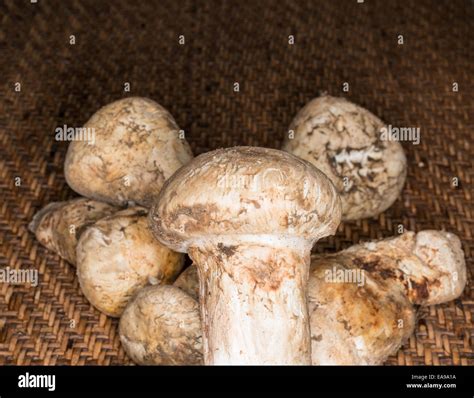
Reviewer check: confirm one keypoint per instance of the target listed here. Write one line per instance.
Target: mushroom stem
(253, 300)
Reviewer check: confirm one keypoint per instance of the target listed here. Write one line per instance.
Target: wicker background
(227, 42)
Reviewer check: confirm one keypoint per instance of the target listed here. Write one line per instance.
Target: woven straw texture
(226, 42)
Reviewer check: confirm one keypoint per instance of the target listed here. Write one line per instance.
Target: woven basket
(116, 42)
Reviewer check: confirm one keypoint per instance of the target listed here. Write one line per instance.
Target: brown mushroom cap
(137, 147)
(344, 141)
(118, 255)
(161, 326)
(245, 191)
(59, 225)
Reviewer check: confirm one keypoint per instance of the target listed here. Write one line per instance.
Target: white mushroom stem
(253, 300)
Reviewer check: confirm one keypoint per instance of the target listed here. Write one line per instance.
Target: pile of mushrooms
(254, 293)
(105, 233)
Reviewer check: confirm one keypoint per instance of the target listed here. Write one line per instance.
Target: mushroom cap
(59, 225)
(429, 266)
(118, 255)
(245, 191)
(443, 254)
(161, 325)
(137, 147)
(345, 142)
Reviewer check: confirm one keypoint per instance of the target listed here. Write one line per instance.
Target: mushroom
(355, 323)
(248, 217)
(363, 301)
(136, 147)
(345, 141)
(117, 256)
(59, 225)
(161, 326)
